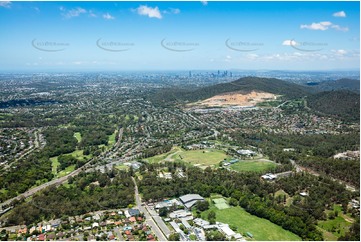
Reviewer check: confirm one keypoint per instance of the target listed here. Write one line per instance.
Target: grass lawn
(77, 135)
(337, 226)
(289, 199)
(78, 154)
(161, 157)
(54, 164)
(252, 165)
(206, 157)
(122, 167)
(261, 229)
(66, 171)
(220, 203)
(334, 228)
(327, 236)
(111, 139)
(202, 158)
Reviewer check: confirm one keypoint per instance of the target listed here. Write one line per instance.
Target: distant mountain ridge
(342, 104)
(341, 84)
(245, 85)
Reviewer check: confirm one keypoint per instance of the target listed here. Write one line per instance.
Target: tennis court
(220, 203)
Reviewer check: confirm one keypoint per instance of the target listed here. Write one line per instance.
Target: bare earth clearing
(237, 99)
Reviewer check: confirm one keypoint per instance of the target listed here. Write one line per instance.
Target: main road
(310, 171)
(57, 181)
(157, 231)
(47, 184)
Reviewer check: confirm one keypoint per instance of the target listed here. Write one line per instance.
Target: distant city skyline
(153, 36)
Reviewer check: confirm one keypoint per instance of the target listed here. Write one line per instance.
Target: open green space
(289, 199)
(161, 157)
(77, 135)
(220, 203)
(78, 154)
(252, 165)
(122, 167)
(66, 171)
(327, 236)
(54, 164)
(260, 228)
(111, 139)
(332, 229)
(337, 226)
(206, 157)
(201, 158)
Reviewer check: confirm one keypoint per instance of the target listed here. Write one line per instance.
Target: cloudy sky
(179, 35)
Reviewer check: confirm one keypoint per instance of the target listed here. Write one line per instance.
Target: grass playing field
(202, 158)
(161, 157)
(261, 229)
(252, 165)
(220, 203)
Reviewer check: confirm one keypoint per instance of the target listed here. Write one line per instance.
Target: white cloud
(107, 16)
(340, 14)
(337, 27)
(92, 14)
(149, 11)
(175, 10)
(75, 12)
(340, 52)
(289, 42)
(317, 26)
(252, 56)
(5, 4)
(172, 11)
(325, 25)
(228, 58)
(204, 3)
(36, 9)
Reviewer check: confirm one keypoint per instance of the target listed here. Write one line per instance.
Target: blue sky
(179, 35)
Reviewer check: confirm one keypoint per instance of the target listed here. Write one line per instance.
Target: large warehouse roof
(190, 199)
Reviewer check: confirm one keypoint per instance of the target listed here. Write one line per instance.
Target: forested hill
(341, 84)
(341, 104)
(245, 84)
